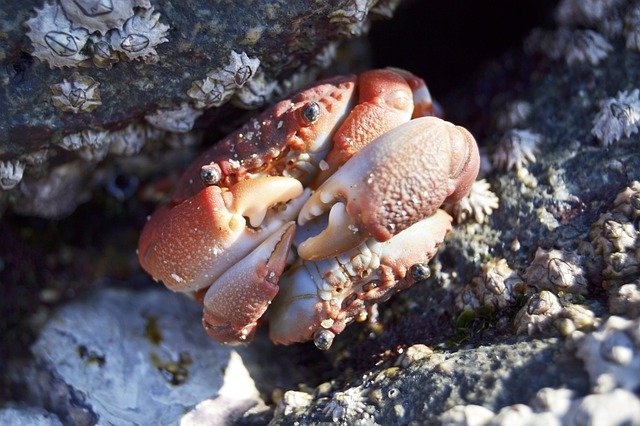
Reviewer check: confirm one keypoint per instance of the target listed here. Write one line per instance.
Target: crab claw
(238, 298)
(398, 179)
(188, 246)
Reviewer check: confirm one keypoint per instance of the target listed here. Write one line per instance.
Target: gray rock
(19, 415)
(125, 357)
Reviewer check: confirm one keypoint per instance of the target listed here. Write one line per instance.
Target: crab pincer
(400, 178)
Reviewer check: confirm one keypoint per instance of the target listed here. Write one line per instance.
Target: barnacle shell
(101, 15)
(478, 204)
(353, 17)
(516, 149)
(575, 317)
(128, 141)
(53, 39)
(586, 46)
(102, 54)
(220, 84)
(179, 120)
(140, 36)
(585, 12)
(538, 314)
(625, 299)
(91, 145)
(617, 116)
(349, 403)
(497, 286)
(80, 94)
(256, 92)
(385, 8)
(632, 28)
(557, 270)
(10, 173)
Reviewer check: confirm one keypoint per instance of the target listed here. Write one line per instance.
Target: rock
(124, 357)
(19, 415)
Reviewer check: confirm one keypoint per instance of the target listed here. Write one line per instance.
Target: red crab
(363, 167)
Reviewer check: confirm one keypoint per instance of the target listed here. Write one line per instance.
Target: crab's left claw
(398, 179)
(233, 305)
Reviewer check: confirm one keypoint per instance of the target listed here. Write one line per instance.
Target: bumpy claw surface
(400, 178)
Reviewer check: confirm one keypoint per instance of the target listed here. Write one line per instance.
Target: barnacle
(179, 120)
(220, 84)
(538, 314)
(102, 54)
(611, 355)
(101, 15)
(514, 115)
(345, 404)
(256, 92)
(617, 116)
(140, 35)
(91, 145)
(616, 235)
(516, 149)
(632, 28)
(79, 94)
(128, 141)
(575, 317)
(586, 46)
(10, 173)
(585, 12)
(497, 286)
(53, 39)
(625, 299)
(385, 8)
(292, 400)
(557, 270)
(478, 204)
(353, 18)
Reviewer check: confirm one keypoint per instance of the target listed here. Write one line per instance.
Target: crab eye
(311, 112)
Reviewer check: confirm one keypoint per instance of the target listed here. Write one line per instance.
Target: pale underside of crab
(324, 204)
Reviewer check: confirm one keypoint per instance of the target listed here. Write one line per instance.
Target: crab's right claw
(397, 180)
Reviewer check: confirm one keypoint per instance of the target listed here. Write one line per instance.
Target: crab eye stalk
(311, 112)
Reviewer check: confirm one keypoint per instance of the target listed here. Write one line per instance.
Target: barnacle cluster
(79, 94)
(221, 83)
(478, 204)
(64, 33)
(516, 149)
(617, 117)
(497, 286)
(616, 236)
(557, 271)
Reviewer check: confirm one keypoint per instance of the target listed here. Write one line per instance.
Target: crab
(326, 203)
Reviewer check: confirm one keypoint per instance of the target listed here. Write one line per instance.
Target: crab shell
(228, 230)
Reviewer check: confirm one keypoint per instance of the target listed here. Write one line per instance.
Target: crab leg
(239, 297)
(400, 178)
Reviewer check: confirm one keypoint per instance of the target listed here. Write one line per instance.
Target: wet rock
(124, 357)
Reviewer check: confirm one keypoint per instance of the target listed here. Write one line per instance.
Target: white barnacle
(220, 83)
(53, 38)
(352, 18)
(256, 92)
(497, 286)
(586, 12)
(586, 46)
(617, 116)
(345, 404)
(478, 204)
(102, 54)
(128, 141)
(140, 36)
(557, 270)
(79, 94)
(180, 120)
(91, 145)
(385, 8)
(514, 115)
(101, 15)
(10, 173)
(538, 314)
(516, 149)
